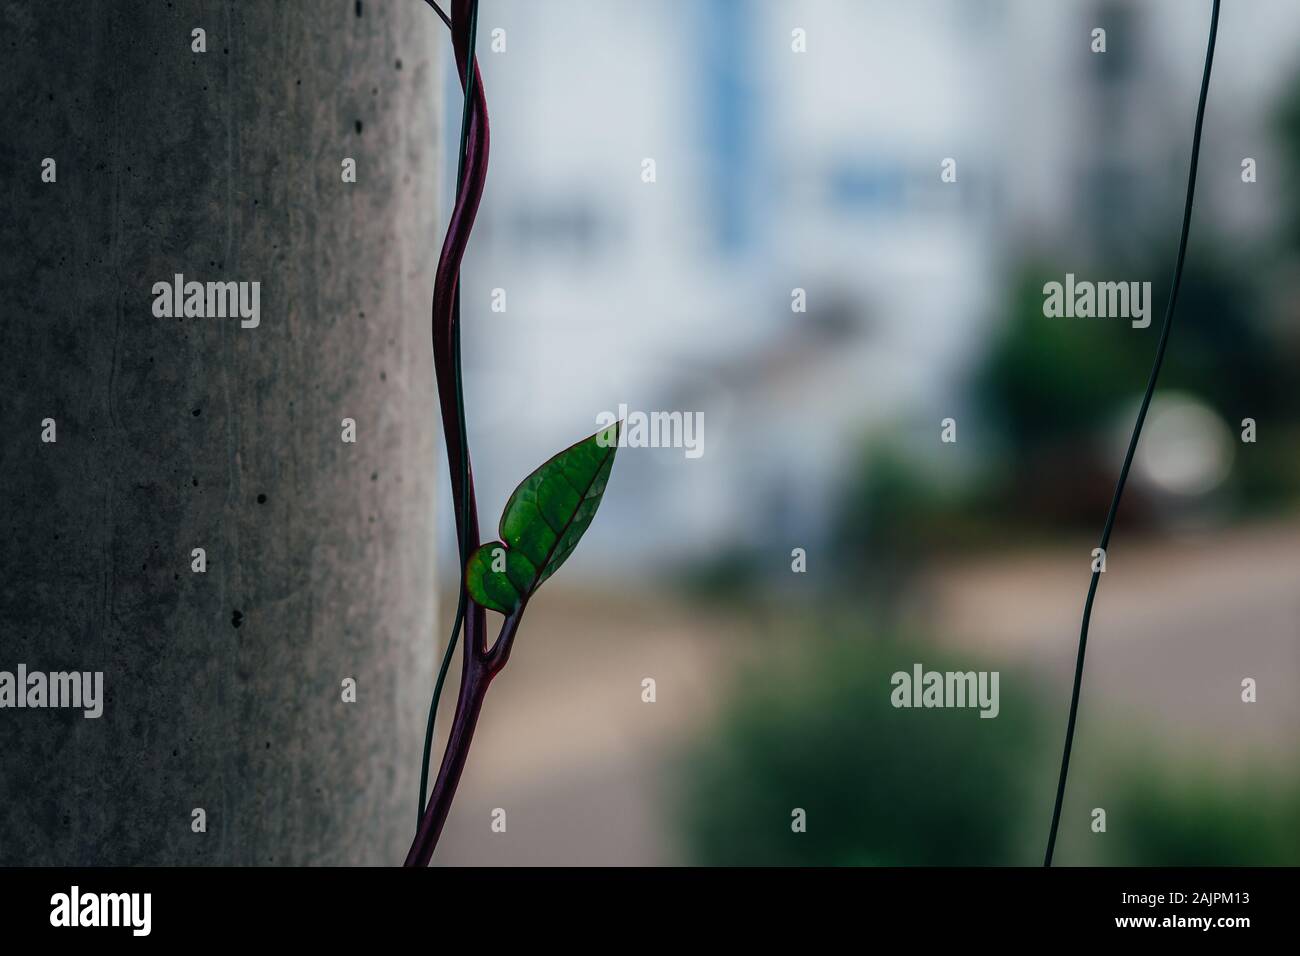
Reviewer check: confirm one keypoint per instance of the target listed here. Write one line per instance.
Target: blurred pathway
(567, 747)
(1176, 626)
(582, 766)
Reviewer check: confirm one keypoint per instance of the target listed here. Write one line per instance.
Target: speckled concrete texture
(223, 689)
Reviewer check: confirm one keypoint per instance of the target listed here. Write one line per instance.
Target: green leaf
(543, 521)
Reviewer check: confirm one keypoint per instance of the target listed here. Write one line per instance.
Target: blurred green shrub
(899, 787)
(880, 786)
(1164, 818)
(897, 510)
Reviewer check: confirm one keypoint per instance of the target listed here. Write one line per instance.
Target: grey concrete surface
(223, 689)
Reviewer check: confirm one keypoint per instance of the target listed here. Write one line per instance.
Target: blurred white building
(817, 170)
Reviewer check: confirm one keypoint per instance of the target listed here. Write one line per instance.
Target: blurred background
(779, 170)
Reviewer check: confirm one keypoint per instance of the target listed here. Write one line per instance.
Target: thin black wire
(460, 419)
(1137, 431)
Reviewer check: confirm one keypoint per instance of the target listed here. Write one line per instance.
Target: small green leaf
(543, 521)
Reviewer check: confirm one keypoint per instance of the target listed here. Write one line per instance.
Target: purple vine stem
(480, 663)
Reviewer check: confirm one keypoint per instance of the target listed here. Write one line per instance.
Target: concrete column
(223, 689)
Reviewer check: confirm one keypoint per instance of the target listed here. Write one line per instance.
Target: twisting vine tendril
(546, 515)
(471, 173)
(468, 83)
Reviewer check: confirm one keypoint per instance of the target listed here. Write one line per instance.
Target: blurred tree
(1053, 388)
(1287, 126)
(1049, 381)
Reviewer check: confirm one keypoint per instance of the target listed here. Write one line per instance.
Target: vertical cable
(1137, 431)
